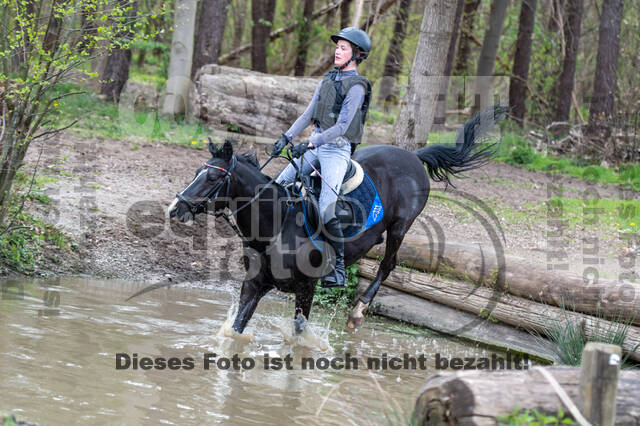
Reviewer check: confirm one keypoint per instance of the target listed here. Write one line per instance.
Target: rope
(575, 412)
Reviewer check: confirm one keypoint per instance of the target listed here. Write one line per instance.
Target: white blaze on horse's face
(172, 206)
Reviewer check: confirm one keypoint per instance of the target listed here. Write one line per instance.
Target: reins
(215, 191)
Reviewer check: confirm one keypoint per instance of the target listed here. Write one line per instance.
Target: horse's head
(211, 183)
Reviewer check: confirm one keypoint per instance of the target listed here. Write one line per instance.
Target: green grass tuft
(338, 297)
(533, 418)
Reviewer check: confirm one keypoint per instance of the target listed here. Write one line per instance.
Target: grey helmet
(357, 38)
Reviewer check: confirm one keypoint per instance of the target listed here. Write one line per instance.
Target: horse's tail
(442, 160)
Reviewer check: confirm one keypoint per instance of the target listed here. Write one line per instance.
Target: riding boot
(337, 277)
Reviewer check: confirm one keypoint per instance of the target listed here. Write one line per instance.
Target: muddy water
(59, 340)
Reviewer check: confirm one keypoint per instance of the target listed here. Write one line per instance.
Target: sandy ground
(111, 196)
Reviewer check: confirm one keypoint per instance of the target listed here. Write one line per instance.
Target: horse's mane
(251, 159)
(248, 157)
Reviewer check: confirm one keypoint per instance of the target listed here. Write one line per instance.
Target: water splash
(226, 329)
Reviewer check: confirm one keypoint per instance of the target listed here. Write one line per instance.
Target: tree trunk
(521, 60)
(273, 35)
(477, 397)
(418, 106)
(239, 9)
(604, 88)
(116, 68)
(556, 19)
(88, 29)
(357, 13)
(564, 89)
(52, 34)
(441, 104)
(483, 93)
(177, 96)
(389, 92)
(461, 67)
(262, 13)
(212, 18)
(344, 13)
(303, 38)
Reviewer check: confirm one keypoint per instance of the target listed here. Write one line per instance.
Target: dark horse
(278, 251)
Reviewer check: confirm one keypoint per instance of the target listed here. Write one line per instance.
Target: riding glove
(280, 144)
(300, 149)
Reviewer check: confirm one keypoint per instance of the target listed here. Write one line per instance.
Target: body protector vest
(329, 103)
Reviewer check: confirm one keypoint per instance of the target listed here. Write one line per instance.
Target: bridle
(194, 209)
(213, 192)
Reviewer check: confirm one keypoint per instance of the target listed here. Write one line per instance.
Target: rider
(337, 110)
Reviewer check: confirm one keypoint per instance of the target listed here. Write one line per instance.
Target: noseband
(214, 192)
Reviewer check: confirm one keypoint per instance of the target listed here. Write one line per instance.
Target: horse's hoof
(356, 317)
(300, 323)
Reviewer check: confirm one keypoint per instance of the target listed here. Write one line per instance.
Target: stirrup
(331, 280)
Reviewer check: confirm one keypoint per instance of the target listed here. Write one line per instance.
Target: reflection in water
(59, 339)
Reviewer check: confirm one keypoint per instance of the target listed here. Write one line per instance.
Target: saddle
(352, 179)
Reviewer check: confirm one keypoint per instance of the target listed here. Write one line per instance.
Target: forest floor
(111, 197)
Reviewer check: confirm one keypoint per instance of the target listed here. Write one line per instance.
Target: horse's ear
(227, 151)
(212, 148)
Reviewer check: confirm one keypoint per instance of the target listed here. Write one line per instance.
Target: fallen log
(435, 316)
(477, 397)
(249, 102)
(608, 298)
(493, 303)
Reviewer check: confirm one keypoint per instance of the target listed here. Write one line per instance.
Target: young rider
(337, 110)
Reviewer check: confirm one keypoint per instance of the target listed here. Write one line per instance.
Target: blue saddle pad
(366, 205)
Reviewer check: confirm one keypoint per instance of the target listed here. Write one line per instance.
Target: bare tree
(239, 13)
(564, 89)
(441, 106)
(604, 89)
(521, 61)
(344, 13)
(177, 95)
(262, 13)
(555, 16)
(461, 67)
(303, 38)
(276, 34)
(466, 32)
(487, 61)
(389, 92)
(357, 13)
(418, 106)
(211, 20)
(116, 68)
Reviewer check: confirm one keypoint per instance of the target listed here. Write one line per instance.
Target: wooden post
(599, 382)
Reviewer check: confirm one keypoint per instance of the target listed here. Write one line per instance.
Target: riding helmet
(356, 37)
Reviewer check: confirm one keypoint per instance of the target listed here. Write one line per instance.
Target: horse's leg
(250, 295)
(395, 235)
(304, 299)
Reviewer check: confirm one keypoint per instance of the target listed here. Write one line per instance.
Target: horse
(278, 251)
